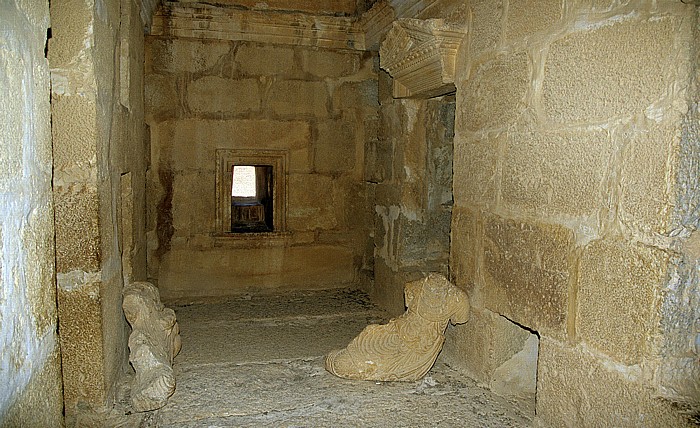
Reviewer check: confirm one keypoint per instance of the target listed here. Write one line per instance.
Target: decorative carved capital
(420, 55)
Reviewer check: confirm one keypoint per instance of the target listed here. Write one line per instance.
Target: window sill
(252, 239)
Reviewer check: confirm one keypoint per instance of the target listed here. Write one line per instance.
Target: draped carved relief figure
(153, 343)
(406, 348)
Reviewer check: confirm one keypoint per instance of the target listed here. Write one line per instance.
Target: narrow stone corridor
(257, 361)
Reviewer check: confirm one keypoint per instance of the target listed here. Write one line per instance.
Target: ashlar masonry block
(618, 281)
(296, 98)
(212, 94)
(575, 388)
(611, 71)
(527, 272)
(494, 95)
(555, 173)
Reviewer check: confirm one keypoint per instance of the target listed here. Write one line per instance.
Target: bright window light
(243, 185)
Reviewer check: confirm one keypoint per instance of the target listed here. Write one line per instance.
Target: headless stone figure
(406, 348)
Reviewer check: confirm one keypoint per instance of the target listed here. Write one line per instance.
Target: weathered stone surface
(648, 189)
(213, 94)
(299, 98)
(356, 95)
(495, 93)
(227, 269)
(334, 148)
(476, 176)
(577, 388)
(266, 60)
(178, 55)
(465, 244)
(407, 347)
(30, 361)
(616, 296)
(331, 64)
(77, 229)
(527, 272)
(609, 72)
(526, 18)
(153, 343)
(554, 173)
(312, 210)
(161, 97)
(487, 24)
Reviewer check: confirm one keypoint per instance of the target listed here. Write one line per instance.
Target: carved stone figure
(405, 348)
(153, 343)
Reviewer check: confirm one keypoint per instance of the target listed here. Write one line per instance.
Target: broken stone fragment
(153, 343)
(406, 348)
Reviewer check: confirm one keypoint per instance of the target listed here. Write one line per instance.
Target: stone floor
(257, 361)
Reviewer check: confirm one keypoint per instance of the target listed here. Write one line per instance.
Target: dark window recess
(252, 213)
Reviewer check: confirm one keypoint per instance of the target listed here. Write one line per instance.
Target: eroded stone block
(495, 93)
(406, 348)
(617, 283)
(577, 389)
(527, 269)
(612, 71)
(153, 343)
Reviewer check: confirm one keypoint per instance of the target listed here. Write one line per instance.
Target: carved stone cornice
(202, 21)
(376, 22)
(420, 55)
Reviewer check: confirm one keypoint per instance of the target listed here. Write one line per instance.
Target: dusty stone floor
(257, 361)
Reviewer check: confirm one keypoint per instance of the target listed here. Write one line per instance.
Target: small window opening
(252, 198)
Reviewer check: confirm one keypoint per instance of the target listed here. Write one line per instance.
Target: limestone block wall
(411, 166)
(317, 105)
(30, 391)
(576, 203)
(96, 59)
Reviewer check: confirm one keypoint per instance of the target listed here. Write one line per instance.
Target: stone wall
(96, 55)
(411, 164)
(576, 203)
(30, 391)
(318, 105)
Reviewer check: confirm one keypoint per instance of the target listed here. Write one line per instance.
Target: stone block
(648, 189)
(78, 244)
(575, 388)
(465, 244)
(555, 173)
(526, 18)
(618, 282)
(476, 179)
(215, 95)
(378, 157)
(494, 95)
(74, 136)
(162, 100)
(194, 141)
(176, 55)
(299, 98)
(356, 95)
(326, 63)
(226, 271)
(527, 272)
(612, 71)
(334, 148)
(483, 344)
(312, 202)
(193, 203)
(487, 25)
(82, 350)
(265, 60)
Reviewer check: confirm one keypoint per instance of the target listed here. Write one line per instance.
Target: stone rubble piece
(153, 343)
(406, 348)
